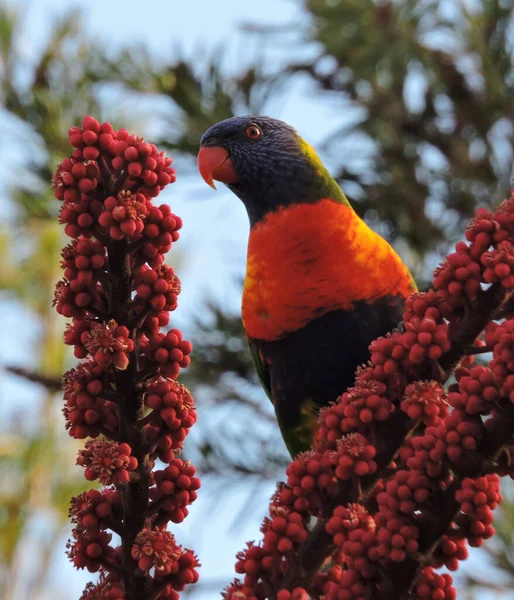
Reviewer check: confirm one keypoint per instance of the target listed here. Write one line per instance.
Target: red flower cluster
(401, 468)
(425, 401)
(339, 584)
(501, 338)
(90, 548)
(107, 588)
(284, 531)
(169, 351)
(157, 549)
(91, 508)
(175, 489)
(119, 293)
(478, 498)
(477, 391)
(366, 402)
(108, 343)
(361, 405)
(458, 278)
(451, 550)
(354, 456)
(296, 594)
(159, 287)
(499, 264)
(431, 586)
(125, 215)
(86, 411)
(404, 492)
(173, 404)
(107, 461)
(310, 476)
(425, 339)
(354, 532)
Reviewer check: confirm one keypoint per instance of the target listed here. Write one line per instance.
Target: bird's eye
(253, 132)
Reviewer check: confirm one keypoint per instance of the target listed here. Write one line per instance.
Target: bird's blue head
(265, 163)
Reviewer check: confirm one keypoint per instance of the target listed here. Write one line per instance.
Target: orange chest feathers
(309, 259)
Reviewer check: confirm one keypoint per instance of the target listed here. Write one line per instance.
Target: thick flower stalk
(405, 471)
(123, 395)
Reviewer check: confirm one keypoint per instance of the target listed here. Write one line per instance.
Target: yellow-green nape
(308, 151)
(331, 187)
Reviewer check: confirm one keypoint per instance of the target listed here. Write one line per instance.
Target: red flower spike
(152, 324)
(285, 499)
(72, 300)
(74, 177)
(503, 214)
(119, 240)
(420, 473)
(149, 170)
(161, 229)
(250, 562)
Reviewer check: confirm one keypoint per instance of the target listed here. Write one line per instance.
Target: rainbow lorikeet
(320, 284)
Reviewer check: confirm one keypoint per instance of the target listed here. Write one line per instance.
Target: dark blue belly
(318, 362)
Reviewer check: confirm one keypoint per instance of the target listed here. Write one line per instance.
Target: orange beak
(214, 163)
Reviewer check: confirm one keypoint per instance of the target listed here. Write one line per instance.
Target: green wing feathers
(261, 367)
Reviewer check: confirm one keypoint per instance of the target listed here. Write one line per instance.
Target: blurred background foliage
(424, 90)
